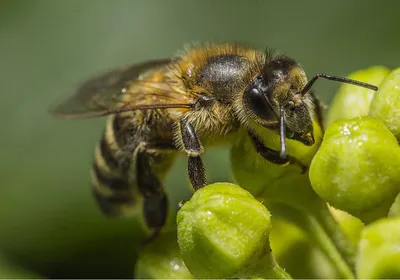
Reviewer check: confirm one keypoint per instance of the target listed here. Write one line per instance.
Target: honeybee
(201, 97)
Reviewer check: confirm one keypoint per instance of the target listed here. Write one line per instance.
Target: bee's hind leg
(155, 204)
(194, 149)
(155, 210)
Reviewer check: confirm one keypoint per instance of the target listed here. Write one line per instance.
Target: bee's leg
(193, 148)
(319, 108)
(274, 156)
(155, 210)
(155, 204)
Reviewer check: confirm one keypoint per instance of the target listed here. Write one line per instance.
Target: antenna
(337, 79)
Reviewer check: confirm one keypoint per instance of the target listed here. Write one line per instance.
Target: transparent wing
(120, 90)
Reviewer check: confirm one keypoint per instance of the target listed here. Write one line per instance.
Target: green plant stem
(265, 267)
(322, 231)
(274, 272)
(330, 226)
(327, 244)
(299, 204)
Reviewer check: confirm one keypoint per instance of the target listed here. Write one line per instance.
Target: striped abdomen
(111, 185)
(125, 171)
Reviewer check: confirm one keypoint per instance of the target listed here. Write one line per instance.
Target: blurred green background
(50, 226)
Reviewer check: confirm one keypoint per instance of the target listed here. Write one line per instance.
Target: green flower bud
(223, 232)
(353, 101)
(161, 259)
(357, 168)
(379, 250)
(386, 103)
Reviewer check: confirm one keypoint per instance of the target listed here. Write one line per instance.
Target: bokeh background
(49, 223)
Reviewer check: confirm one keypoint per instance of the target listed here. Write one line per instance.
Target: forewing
(113, 92)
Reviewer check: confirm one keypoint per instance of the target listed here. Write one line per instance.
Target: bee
(161, 108)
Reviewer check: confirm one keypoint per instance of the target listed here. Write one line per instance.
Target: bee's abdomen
(113, 182)
(128, 169)
(112, 189)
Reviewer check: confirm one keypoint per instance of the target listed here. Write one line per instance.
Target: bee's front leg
(193, 148)
(274, 156)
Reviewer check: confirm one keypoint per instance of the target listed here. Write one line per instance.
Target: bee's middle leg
(194, 149)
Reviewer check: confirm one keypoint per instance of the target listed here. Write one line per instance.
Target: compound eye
(259, 104)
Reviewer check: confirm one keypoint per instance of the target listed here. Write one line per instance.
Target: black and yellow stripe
(129, 166)
(110, 182)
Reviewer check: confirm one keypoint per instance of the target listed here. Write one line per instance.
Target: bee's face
(280, 86)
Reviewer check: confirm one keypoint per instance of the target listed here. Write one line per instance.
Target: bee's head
(274, 100)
